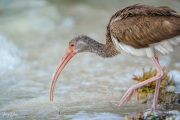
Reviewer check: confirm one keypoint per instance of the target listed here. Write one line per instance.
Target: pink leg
(155, 99)
(137, 95)
(133, 88)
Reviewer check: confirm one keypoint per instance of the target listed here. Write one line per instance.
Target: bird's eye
(72, 45)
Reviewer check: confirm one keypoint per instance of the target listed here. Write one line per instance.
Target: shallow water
(34, 36)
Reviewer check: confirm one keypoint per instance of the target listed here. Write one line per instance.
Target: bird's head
(80, 44)
(76, 45)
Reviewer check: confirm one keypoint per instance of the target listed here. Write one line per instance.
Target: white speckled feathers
(156, 49)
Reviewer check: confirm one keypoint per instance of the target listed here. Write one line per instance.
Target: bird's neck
(103, 50)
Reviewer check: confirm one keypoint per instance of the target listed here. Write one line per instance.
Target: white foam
(175, 113)
(82, 115)
(10, 55)
(175, 75)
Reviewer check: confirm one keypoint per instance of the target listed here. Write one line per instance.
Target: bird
(136, 30)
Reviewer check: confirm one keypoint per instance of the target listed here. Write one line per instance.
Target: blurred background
(34, 35)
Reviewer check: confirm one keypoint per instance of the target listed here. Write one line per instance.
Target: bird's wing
(142, 26)
(140, 10)
(141, 31)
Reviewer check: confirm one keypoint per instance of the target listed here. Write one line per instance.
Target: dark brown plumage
(142, 25)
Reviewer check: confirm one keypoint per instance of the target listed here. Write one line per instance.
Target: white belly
(161, 48)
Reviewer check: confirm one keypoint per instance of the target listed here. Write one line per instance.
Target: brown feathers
(141, 25)
(144, 10)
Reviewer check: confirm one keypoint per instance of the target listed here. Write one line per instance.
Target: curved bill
(68, 55)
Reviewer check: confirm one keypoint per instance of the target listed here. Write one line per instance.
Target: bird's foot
(154, 106)
(128, 95)
(152, 112)
(156, 110)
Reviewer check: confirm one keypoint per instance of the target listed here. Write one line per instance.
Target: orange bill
(68, 55)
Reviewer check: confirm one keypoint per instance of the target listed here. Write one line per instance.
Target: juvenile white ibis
(137, 30)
